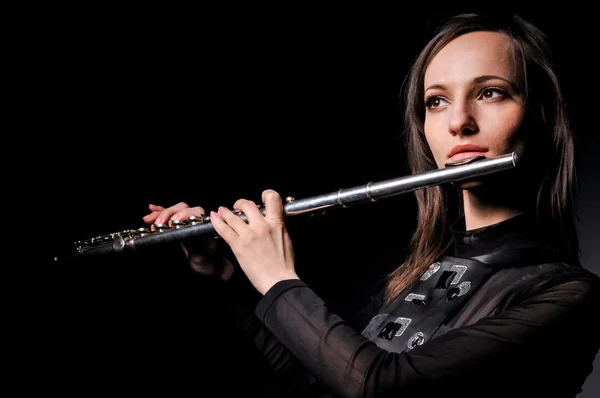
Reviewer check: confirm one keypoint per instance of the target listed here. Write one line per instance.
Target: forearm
(322, 341)
(240, 301)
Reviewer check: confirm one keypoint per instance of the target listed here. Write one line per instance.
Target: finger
(199, 257)
(222, 228)
(214, 245)
(273, 205)
(151, 218)
(155, 212)
(166, 214)
(233, 221)
(186, 213)
(249, 208)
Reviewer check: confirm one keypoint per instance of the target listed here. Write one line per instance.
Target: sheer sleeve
(241, 300)
(514, 343)
(280, 368)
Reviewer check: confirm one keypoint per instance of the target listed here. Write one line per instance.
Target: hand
(204, 256)
(262, 246)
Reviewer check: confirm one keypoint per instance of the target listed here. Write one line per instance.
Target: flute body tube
(131, 240)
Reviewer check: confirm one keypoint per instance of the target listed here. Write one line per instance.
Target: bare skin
(471, 99)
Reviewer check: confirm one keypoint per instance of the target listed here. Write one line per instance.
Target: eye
(492, 93)
(434, 101)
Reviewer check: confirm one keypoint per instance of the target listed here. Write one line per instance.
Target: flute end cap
(516, 158)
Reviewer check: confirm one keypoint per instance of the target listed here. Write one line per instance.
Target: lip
(465, 151)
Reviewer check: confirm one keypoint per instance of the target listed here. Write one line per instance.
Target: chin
(467, 185)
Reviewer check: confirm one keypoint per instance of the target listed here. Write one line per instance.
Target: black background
(126, 107)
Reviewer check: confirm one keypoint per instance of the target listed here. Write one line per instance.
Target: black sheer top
(523, 324)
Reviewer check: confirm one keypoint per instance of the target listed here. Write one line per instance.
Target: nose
(462, 119)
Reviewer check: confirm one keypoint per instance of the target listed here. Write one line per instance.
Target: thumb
(273, 205)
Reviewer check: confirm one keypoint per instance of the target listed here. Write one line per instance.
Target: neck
(480, 211)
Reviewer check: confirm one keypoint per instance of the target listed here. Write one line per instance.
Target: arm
(528, 340)
(238, 298)
(532, 345)
(241, 299)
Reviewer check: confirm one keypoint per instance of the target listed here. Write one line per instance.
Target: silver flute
(156, 234)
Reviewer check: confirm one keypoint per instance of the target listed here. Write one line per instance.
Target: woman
(495, 303)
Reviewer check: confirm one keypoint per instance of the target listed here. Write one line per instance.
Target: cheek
(505, 122)
(436, 143)
(508, 134)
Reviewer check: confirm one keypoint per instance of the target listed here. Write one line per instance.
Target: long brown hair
(552, 166)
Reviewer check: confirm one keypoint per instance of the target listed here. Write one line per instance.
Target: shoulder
(558, 283)
(550, 285)
(549, 275)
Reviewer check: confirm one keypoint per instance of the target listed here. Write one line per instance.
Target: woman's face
(472, 105)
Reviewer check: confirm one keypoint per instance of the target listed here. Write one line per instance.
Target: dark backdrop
(143, 106)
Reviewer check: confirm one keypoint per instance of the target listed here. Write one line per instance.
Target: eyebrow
(477, 80)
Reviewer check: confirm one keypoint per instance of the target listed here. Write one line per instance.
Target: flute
(157, 234)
